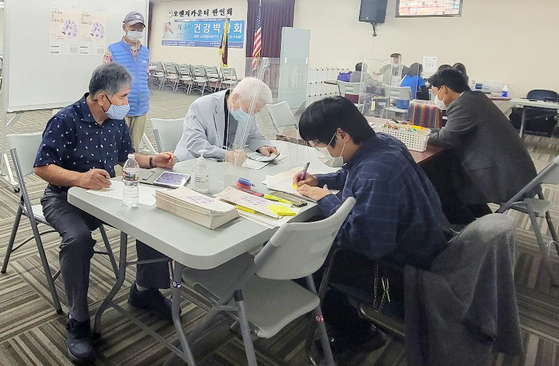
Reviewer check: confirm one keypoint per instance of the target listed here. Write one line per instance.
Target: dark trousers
(76, 250)
(354, 274)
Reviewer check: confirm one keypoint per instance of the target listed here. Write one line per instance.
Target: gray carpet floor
(31, 333)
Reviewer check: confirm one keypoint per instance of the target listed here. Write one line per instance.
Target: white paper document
(147, 193)
(284, 182)
(257, 165)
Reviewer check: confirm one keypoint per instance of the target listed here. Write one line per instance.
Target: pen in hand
(304, 174)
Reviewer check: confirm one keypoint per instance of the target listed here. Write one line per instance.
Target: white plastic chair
(167, 133)
(171, 76)
(397, 93)
(259, 291)
(281, 115)
(24, 149)
(214, 79)
(199, 78)
(229, 77)
(185, 77)
(537, 206)
(158, 74)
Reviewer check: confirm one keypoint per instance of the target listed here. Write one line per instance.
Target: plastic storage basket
(415, 140)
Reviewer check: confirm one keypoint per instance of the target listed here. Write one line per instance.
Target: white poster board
(52, 46)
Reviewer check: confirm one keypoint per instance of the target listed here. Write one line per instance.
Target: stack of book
(196, 207)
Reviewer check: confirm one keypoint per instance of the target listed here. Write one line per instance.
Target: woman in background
(416, 83)
(460, 67)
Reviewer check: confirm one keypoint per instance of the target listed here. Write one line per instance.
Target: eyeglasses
(315, 144)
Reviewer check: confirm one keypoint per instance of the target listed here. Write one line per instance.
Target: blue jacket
(397, 213)
(138, 68)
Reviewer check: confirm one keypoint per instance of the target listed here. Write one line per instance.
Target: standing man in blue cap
(130, 53)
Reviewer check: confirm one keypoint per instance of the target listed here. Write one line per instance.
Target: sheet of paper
(257, 165)
(147, 193)
(284, 181)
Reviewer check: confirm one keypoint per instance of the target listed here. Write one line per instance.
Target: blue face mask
(240, 115)
(117, 112)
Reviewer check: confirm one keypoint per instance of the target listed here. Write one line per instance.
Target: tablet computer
(172, 179)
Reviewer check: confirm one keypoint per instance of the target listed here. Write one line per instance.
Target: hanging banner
(203, 33)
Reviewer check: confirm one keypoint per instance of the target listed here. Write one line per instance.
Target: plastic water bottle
(201, 174)
(505, 91)
(131, 178)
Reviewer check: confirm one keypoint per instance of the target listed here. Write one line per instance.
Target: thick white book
(199, 208)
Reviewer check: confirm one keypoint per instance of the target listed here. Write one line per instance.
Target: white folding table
(187, 243)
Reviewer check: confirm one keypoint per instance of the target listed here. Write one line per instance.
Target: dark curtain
(275, 15)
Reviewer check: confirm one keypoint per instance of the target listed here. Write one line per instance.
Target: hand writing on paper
(267, 150)
(164, 160)
(309, 180)
(315, 193)
(95, 179)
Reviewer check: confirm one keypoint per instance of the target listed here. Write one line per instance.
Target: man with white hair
(223, 122)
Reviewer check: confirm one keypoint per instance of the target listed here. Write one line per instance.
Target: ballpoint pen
(304, 174)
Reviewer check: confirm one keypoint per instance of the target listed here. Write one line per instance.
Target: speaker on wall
(372, 11)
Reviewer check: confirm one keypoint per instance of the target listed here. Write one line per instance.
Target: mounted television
(428, 8)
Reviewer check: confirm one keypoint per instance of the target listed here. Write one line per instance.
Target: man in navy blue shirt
(81, 145)
(397, 214)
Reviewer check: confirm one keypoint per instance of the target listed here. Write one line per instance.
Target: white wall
(498, 40)
(194, 55)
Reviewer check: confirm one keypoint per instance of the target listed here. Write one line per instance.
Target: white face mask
(134, 35)
(326, 158)
(439, 102)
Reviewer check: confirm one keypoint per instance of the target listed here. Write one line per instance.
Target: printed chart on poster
(206, 32)
(426, 8)
(77, 30)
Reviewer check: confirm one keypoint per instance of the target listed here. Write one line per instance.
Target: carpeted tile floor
(31, 333)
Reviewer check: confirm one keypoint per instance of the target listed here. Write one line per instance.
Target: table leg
(119, 281)
(523, 122)
(176, 301)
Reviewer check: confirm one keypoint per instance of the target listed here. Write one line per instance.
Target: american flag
(257, 46)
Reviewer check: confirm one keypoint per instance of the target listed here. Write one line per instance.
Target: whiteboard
(35, 77)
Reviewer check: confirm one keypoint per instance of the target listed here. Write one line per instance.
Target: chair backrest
(199, 71)
(397, 92)
(299, 249)
(229, 73)
(170, 68)
(542, 94)
(167, 133)
(212, 71)
(158, 66)
(549, 175)
(281, 115)
(184, 70)
(24, 151)
(349, 88)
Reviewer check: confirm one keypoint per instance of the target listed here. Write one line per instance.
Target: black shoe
(79, 341)
(366, 343)
(152, 300)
